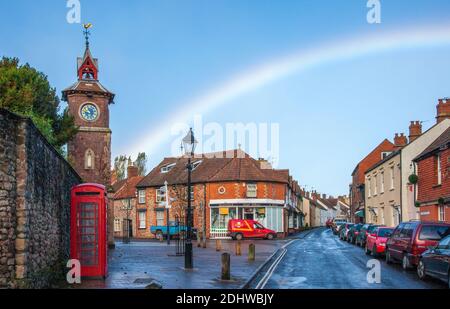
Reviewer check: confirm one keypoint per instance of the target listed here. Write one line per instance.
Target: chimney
(443, 109)
(400, 141)
(307, 194)
(324, 196)
(132, 171)
(415, 130)
(264, 164)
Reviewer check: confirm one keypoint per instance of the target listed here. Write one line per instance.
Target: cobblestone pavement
(136, 264)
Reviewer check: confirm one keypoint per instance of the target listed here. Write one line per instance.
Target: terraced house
(390, 190)
(225, 185)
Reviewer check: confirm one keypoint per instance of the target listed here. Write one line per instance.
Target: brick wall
(428, 190)
(35, 183)
(203, 193)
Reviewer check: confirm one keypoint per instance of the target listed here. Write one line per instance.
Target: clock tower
(90, 150)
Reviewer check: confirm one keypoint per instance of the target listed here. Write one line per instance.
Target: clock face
(89, 112)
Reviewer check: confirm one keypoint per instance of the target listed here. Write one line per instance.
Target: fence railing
(219, 233)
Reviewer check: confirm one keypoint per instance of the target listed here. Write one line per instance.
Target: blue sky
(158, 55)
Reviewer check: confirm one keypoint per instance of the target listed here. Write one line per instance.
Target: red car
(376, 241)
(239, 229)
(410, 239)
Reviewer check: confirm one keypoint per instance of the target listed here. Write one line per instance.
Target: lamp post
(189, 144)
(167, 209)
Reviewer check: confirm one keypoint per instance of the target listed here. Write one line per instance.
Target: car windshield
(385, 232)
(434, 232)
(371, 228)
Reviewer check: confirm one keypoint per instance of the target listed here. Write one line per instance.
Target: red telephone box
(88, 228)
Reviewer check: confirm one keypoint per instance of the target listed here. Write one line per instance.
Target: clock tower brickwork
(89, 151)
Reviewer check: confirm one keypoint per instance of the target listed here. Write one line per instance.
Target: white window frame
(160, 220)
(375, 189)
(252, 190)
(167, 168)
(160, 195)
(142, 222)
(196, 164)
(392, 177)
(117, 225)
(439, 169)
(141, 196)
(441, 213)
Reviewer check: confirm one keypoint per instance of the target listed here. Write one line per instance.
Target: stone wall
(35, 183)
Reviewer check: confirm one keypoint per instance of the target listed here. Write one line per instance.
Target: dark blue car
(435, 262)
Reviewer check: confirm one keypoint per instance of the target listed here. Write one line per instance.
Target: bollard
(238, 248)
(204, 243)
(225, 266)
(199, 244)
(251, 252)
(218, 245)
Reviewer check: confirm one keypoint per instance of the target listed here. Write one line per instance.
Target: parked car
(354, 232)
(376, 240)
(336, 227)
(435, 262)
(239, 229)
(329, 223)
(366, 229)
(175, 230)
(410, 239)
(343, 232)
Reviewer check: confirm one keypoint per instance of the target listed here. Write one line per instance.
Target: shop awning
(360, 213)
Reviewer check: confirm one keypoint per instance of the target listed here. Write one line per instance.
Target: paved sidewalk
(136, 264)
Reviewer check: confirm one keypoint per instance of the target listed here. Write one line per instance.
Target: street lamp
(189, 144)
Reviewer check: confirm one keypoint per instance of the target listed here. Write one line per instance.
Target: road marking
(262, 283)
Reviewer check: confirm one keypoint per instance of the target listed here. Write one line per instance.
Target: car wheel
(239, 237)
(366, 250)
(269, 236)
(405, 262)
(421, 270)
(388, 257)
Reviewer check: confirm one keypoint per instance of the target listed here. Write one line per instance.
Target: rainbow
(299, 61)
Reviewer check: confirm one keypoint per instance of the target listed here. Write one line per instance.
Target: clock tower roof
(87, 71)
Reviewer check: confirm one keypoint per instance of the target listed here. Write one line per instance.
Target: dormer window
(385, 154)
(167, 168)
(196, 164)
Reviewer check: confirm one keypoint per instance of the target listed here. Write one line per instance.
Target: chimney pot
(443, 110)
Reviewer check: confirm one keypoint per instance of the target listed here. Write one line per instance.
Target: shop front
(269, 215)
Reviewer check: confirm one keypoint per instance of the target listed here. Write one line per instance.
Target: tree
(120, 166)
(141, 163)
(27, 92)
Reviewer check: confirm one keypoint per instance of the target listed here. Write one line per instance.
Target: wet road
(321, 260)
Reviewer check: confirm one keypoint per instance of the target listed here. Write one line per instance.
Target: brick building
(433, 186)
(126, 212)
(225, 185)
(357, 187)
(89, 152)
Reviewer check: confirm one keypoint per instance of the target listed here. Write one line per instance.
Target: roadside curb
(246, 285)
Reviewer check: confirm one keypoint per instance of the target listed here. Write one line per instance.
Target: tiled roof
(87, 85)
(441, 141)
(128, 190)
(118, 184)
(213, 169)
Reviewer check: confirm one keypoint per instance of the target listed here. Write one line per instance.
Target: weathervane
(87, 33)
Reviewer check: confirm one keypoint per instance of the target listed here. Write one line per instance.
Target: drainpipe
(401, 187)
